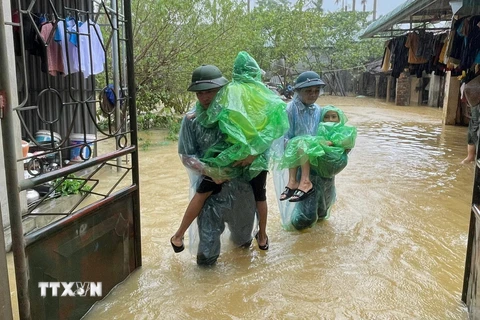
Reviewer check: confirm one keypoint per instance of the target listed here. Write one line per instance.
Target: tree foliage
(336, 45)
(173, 37)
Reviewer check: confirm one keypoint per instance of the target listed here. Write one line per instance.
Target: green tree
(272, 4)
(281, 27)
(172, 37)
(334, 43)
(318, 5)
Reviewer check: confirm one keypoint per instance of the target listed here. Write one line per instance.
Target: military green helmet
(207, 77)
(308, 79)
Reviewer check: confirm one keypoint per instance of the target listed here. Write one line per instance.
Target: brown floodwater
(393, 248)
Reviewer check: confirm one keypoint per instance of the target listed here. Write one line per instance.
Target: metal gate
(470, 294)
(70, 100)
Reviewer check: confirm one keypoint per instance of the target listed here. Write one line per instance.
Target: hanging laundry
(413, 43)
(387, 55)
(53, 49)
(66, 37)
(92, 54)
(82, 46)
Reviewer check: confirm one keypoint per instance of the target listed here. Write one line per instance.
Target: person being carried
(326, 152)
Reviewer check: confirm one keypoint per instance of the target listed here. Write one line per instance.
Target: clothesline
(66, 46)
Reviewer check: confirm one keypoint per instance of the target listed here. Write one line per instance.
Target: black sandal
(264, 247)
(288, 193)
(177, 249)
(300, 195)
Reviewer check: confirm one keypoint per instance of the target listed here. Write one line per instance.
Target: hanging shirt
(53, 50)
(68, 47)
(399, 57)
(387, 54)
(92, 55)
(413, 43)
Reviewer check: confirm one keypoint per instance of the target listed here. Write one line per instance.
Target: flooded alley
(393, 248)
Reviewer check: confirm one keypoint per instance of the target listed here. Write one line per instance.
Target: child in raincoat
(326, 153)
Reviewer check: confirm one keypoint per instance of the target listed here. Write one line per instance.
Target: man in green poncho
(252, 117)
(230, 202)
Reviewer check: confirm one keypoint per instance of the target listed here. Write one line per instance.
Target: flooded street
(393, 248)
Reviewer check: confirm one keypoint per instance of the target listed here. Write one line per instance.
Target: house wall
(402, 93)
(434, 91)
(415, 93)
(450, 101)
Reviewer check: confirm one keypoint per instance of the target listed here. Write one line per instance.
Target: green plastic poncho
(327, 160)
(250, 115)
(226, 217)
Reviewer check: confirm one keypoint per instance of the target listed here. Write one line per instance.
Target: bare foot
(467, 160)
(292, 185)
(177, 241)
(305, 186)
(287, 193)
(262, 241)
(304, 190)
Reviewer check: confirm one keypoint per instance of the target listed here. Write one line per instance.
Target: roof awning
(412, 12)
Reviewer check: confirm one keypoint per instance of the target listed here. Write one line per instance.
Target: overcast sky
(383, 6)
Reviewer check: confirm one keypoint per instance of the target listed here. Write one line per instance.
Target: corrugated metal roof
(412, 11)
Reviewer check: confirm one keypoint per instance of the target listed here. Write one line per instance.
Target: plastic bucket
(45, 136)
(25, 148)
(79, 150)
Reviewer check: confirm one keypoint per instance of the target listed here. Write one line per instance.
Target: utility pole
(374, 10)
(353, 5)
(248, 6)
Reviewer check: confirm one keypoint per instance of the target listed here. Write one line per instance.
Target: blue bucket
(79, 150)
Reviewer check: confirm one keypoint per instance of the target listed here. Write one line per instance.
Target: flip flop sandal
(301, 195)
(176, 248)
(288, 193)
(264, 247)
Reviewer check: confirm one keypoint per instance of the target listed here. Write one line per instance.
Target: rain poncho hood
(338, 133)
(249, 114)
(341, 115)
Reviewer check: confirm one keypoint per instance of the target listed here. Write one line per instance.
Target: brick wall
(402, 96)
